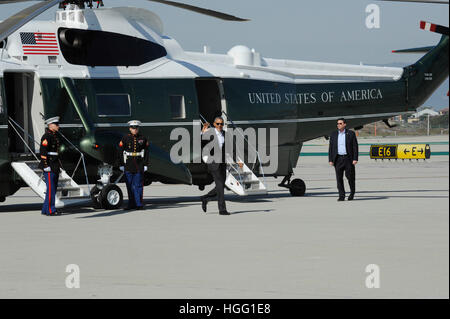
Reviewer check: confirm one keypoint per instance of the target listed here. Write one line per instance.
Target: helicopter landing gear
(297, 187)
(111, 197)
(105, 194)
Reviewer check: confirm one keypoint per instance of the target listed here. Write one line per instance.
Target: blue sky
(319, 30)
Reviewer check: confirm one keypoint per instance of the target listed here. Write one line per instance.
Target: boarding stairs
(240, 178)
(68, 192)
(242, 181)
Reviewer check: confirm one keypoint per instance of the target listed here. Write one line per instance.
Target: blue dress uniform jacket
(133, 156)
(50, 160)
(134, 145)
(49, 151)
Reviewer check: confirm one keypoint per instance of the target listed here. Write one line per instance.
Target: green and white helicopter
(97, 68)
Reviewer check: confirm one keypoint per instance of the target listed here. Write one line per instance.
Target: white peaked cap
(134, 123)
(52, 120)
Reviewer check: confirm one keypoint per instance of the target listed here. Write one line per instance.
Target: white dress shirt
(220, 139)
(342, 150)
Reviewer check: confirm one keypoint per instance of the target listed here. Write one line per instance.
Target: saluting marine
(134, 158)
(50, 164)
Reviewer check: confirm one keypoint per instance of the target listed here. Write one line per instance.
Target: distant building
(444, 111)
(425, 112)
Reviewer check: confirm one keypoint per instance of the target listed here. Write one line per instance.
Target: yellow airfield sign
(383, 151)
(413, 151)
(400, 151)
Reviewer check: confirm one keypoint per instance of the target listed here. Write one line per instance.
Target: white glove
(145, 168)
(47, 169)
(122, 168)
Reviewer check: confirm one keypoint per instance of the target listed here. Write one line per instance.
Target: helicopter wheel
(297, 187)
(111, 197)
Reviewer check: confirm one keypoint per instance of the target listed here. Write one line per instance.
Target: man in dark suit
(343, 155)
(216, 166)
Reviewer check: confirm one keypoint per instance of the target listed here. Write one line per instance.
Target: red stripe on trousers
(49, 194)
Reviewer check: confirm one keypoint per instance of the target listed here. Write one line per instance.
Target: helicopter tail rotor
(428, 26)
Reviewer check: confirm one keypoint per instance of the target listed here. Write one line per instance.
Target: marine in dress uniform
(134, 159)
(50, 164)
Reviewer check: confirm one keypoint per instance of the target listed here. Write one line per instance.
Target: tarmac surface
(273, 246)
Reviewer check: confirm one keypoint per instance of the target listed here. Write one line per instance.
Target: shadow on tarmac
(184, 201)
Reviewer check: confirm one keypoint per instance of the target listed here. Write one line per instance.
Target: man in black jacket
(343, 155)
(216, 167)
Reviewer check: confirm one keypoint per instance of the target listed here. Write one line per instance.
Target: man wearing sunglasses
(217, 167)
(50, 164)
(133, 159)
(343, 155)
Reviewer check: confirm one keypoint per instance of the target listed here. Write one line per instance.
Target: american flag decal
(38, 43)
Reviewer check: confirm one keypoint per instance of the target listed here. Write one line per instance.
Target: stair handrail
(12, 122)
(254, 148)
(82, 159)
(202, 117)
(241, 179)
(239, 155)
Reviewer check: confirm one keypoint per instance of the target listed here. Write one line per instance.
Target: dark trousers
(344, 164)
(135, 188)
(218, 172)
(51, 181)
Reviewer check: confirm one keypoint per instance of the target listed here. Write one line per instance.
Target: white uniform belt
(52, 153)
(141, 153)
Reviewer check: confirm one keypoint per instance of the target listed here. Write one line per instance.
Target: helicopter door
(211, 99)
(24, 106)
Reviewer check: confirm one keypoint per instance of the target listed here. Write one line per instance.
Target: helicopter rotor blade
(420, 1)
(13, 1)
(13, 23)
(208, 12)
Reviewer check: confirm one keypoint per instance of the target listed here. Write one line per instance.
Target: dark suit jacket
(351, 145)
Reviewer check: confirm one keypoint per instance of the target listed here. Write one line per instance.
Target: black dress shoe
(140, 207)
(341, 199)
(224, 213)
(204, 203)
(351, 196)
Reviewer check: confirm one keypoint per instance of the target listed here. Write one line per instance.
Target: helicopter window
(177, 106)
(52, 59)
(101, 48)
(113, 105)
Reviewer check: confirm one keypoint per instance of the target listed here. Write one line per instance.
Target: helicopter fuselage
(123, 67)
